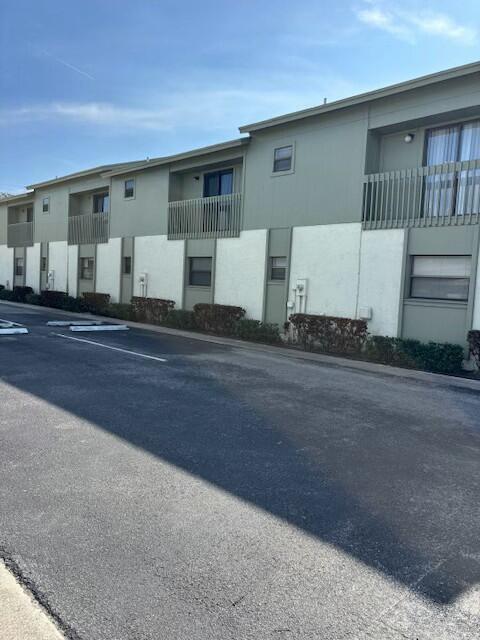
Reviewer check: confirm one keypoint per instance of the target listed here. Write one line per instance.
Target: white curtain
(442, 147)
(468, 189)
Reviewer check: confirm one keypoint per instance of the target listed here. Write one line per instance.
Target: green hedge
(474, 345)
(257, 331)
(329, 333)
(217, 318)
(180, 319)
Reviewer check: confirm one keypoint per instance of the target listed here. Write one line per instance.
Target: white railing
(213, 217)
(20, 234)
(440, 195)
(89, 228)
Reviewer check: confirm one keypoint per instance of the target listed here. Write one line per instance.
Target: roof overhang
(401, 87)
(83, 174)
(194, 153)
(19, 198)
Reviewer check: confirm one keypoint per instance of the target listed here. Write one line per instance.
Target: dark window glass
(440, 277)
(200, 272)
(282, 159)
(127, 265)
(86, 268)
(43, 263)
(45, 205)
(19, 266)
(218, 183)
(278, 268)
(100, 202)
(129, 188)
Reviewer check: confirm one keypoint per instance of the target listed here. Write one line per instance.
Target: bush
(330, 334)
(19, 293)
(217, 318)
(474, 345)
(432, 356)
(257, 331)
(120, 311)
(151, 310)
(180, 319)
(6, 294)
(2, 287)
(60, 300)
(96, 302)
(33, 298)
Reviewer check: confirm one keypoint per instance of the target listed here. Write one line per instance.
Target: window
(43, 264)
(86, 268)
(440, 277)
(127, 265)
(46, 205)
(452, 192)
(278, 268)
(218, 183)
(129, 188)
(100, 202)
(200, 272)
(19, 266)
(282, 159)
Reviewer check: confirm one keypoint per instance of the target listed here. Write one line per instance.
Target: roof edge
(17, 196)
(185, 155)
(81, 174)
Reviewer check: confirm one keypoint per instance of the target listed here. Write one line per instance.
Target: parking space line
(107, 346)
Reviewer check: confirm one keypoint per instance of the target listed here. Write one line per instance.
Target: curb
(286, 352)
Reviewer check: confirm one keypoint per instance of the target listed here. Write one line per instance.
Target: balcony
(20, 234)
(213, 217)
(434, 196)
(90, 228)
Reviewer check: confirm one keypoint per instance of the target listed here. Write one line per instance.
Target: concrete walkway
(21, 618)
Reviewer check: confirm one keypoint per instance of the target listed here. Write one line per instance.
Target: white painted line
(107, 346)
(13, 330)
(68, 323)
(101, 327)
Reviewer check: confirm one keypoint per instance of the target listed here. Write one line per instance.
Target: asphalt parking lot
(157, 487)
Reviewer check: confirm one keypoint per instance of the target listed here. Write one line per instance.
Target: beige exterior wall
(32, 275)
(6, 266)
(162, 260)
(108, 268)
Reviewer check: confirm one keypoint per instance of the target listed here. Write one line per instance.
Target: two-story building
(364, 207)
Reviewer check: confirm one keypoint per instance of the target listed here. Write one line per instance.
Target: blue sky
(87, 82)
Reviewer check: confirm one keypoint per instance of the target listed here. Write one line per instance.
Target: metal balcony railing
(90, 228)
(213, 217)
(440, 195)
(20, 234)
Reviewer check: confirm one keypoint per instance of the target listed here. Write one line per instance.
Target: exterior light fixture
(409, 137)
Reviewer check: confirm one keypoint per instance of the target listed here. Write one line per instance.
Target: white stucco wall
(32, 275)
(476, 307)
(108, 268)
(328, 257)
(6, 266)
(381, 278)
(240, 271)
(162, 261)
(57, 261)
(73, 269)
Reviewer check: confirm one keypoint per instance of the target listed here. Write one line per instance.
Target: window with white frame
(283, 159)
(129, 188)
(440, 277)
(46, 204)
(200, 272)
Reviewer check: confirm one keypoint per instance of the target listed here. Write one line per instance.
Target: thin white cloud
(409, 25)
(200, 109)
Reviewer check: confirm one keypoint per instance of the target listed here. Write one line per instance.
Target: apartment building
(365, 207)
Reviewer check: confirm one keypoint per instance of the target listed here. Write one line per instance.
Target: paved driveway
(209, 492)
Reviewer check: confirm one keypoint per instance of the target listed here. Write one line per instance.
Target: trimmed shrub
(329, 334)
(33, 298)
(217, 318)
(60, 300)
(432, 356)
(19, 293)
(2, 287)
(96, 302)
(180, 319)
(151, 310)
(257, 331)
(6, 294)
(474, 345)
(118, 310)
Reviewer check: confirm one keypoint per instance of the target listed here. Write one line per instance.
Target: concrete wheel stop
(87, 325)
